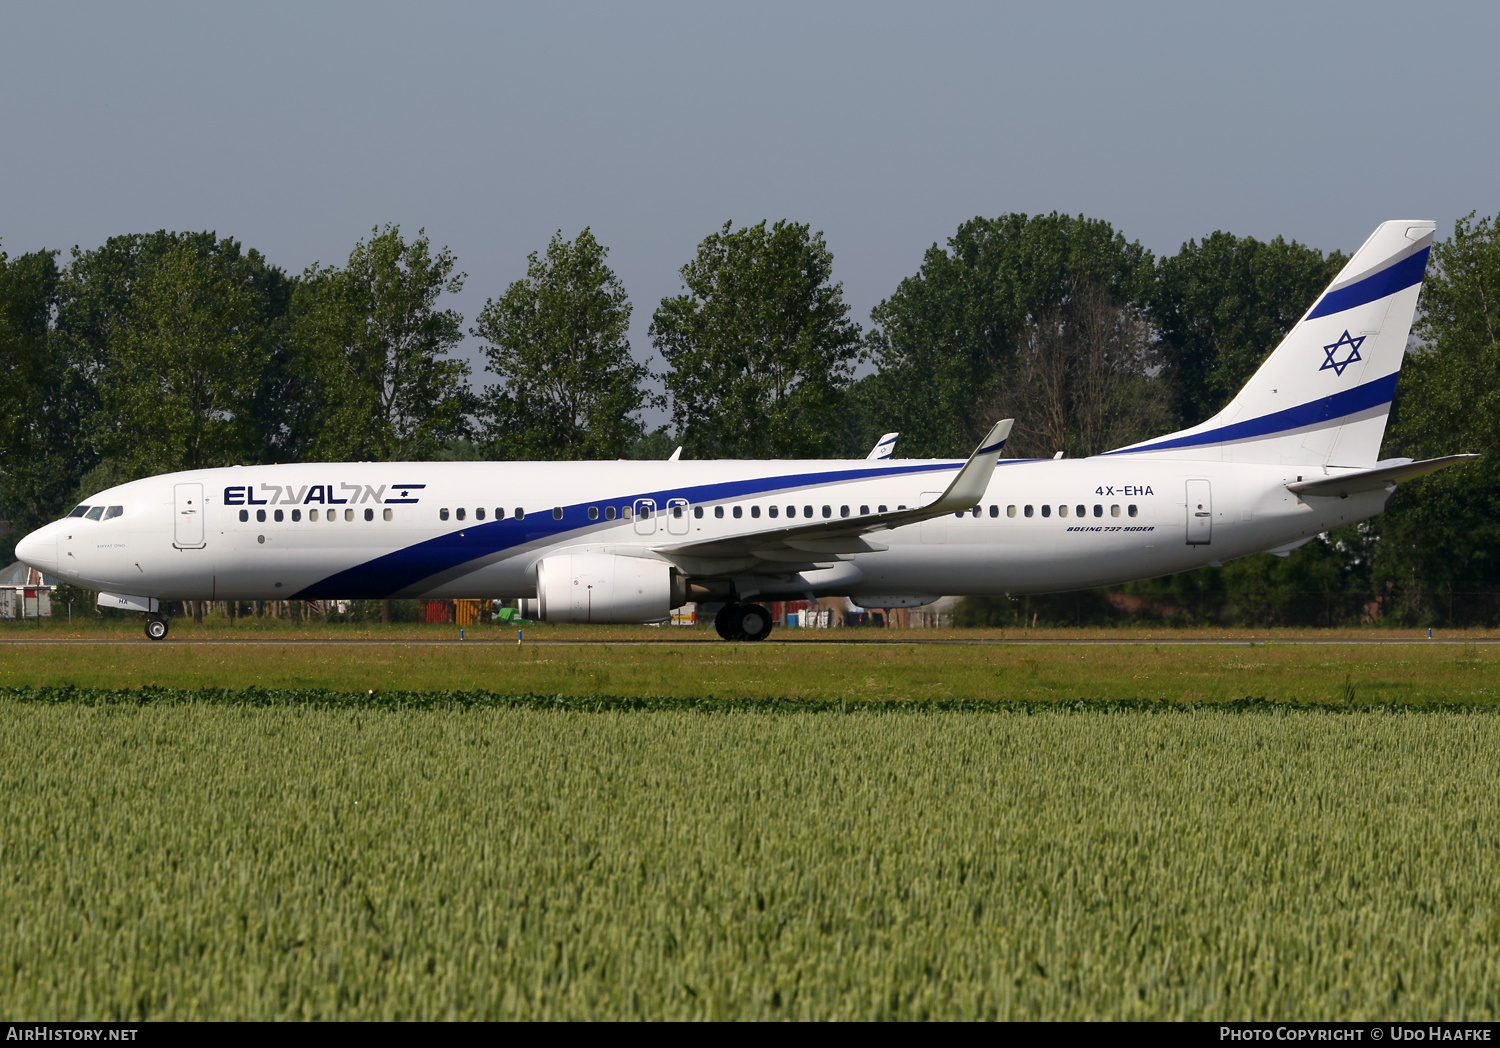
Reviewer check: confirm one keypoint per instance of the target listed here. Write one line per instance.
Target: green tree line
(166, 351)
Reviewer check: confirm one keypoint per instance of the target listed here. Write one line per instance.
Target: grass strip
(327, 698)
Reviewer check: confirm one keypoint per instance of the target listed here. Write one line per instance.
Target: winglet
(676, 454)
(883, 447)
(973, 480)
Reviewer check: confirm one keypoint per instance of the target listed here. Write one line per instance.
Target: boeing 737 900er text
(1293, 455)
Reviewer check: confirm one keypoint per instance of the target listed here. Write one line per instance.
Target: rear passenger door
(1200, 513)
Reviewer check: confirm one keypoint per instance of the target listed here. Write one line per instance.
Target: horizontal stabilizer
(1371, 479)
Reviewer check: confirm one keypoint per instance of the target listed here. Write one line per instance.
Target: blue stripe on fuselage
(403, 568)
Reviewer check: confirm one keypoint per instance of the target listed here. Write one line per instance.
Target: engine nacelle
(598, 587)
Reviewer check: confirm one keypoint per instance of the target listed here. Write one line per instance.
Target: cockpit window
(95, 513)
(78, 511)
(113, 512)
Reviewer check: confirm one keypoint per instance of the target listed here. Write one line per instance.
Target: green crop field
(273, 856)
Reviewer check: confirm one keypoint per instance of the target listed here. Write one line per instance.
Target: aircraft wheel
(156, 628)
(726, 621)
(753, 622)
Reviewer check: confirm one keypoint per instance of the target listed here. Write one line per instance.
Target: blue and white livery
(1296, 453)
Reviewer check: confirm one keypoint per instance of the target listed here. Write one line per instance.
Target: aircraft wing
(1370, 479)
(822, 541)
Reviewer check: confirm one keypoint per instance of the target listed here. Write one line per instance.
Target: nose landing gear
(743, 622)
(156, 627)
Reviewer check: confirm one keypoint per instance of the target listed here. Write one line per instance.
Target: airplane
(1293, 455)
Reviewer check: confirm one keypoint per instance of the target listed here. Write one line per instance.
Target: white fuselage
(376, 530)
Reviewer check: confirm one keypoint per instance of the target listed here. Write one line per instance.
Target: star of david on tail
(1339, 365)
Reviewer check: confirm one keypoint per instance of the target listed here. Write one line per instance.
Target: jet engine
(599, 587)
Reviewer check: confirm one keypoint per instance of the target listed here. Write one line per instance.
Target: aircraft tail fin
(1323, 397)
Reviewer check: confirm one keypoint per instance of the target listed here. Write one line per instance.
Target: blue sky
(297, 127)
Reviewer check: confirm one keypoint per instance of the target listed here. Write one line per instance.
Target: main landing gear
(156, 627)
(743, 622)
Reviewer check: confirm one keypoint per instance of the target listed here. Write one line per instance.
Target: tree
(558, 340)
(944, 340)
(760, 345)
(42, 449)
(185, 364)
(372, 344)
(1439, 550)
(182, 334)
(1221, 306)
(1083, 378)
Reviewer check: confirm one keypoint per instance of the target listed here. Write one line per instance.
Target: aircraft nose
(39, 550)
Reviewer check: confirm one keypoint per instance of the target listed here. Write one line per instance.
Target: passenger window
(333, 515)
(387, 514)
(843, 511)
(1028, 511)
(1114, 511)
(499, 512)
(609, 513)
(1083, 511)
(78, 511)
(443, 513)
(370, 514)
(995, 511)
(738, 513)
(260, 516)
(807, 511)
(296, 514)
(1131, 511)
(280, 516)
(1046, 511)
(719, 512)
(698, 512)
(879, 509)
(1010, 511)
(755, 512)
(113, 512)
(95, 513)
(774, 510)
(960, 513)
(864, 511)
(349, 514)
(520, 513)
(557, 513)
(312, 515)
(245, 515)
(974, 512)
(827, 511)
(479, 513)
(626, 513)
(1098, 511)
(791, 511)
(594, 513)
(1062, 511)
(459, 513)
